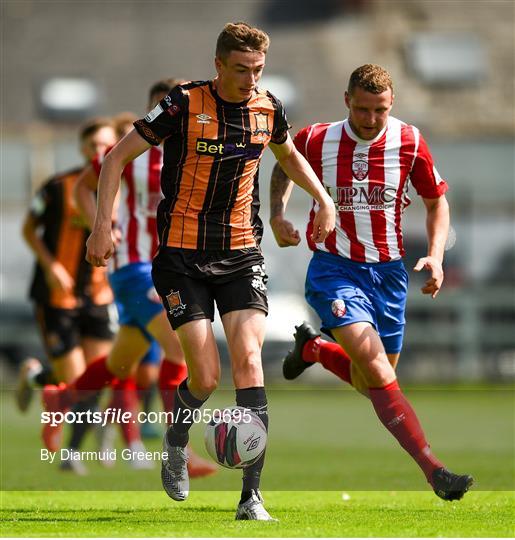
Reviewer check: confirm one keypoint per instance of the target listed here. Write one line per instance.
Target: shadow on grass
(183, 515)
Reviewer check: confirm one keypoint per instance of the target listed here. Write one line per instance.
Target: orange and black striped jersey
(64, 234)
(212, 151)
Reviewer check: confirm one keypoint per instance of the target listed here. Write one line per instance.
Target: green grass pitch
(301, 514)
(332, 470)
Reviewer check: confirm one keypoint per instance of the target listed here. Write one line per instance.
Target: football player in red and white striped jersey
(356, 281)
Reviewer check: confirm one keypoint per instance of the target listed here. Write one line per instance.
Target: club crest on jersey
(338, 308)
(360, 167)
(176, 307)
(261, 124)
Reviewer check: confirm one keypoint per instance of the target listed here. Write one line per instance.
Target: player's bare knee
(376, 371)
(203, 384)
(120, 371)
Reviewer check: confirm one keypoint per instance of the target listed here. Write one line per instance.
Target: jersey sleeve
(424, 176)
(281, 126)
(300, 141)
(164, 119)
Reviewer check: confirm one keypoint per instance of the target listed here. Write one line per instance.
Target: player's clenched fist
(284, 232)
(324, 222)
(100, 247)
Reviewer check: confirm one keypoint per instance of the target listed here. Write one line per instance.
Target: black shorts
(190, 282)
(62, 329)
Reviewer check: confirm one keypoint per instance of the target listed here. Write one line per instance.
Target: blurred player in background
(142, 317)
(214, 134)
(147, 371)
(141, 382)
(72, 299)
(356, 280)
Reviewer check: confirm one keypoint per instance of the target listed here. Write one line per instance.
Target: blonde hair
(240, 36)
(370, 77)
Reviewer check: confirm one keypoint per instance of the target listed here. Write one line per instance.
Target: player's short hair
(370, 77)
(92, 126)
(240, 36)
(163, 86)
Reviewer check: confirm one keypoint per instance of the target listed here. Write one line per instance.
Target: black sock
(184, 405)
(44, 377)
(254, 399)
(79, 430)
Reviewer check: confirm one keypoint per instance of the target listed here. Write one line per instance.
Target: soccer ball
(235, 437)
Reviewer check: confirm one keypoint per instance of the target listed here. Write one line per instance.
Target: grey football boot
(174, 472)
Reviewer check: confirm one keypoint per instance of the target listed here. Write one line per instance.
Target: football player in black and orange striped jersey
(64, 284)
(214, 133)
(71, 298)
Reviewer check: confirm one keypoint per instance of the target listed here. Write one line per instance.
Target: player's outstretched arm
(100, 245)
(437, 226)
(84, 196)
(296, 167)
(280, 190)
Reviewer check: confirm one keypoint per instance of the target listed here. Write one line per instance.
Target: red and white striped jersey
(368, 181)
(140, 193)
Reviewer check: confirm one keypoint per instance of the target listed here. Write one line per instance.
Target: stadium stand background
(465, 109)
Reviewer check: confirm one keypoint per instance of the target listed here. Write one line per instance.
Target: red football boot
(52, 437)
(52, 402)
(198, 467)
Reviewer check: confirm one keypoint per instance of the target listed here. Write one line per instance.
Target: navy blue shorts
(342, 292)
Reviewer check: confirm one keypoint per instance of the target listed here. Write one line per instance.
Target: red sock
(399, 418)
(96, 376)
(170, 376)
(125, 399)
(330, 355)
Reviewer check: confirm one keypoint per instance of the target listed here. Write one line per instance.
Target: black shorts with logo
(189, 282)
(63, 329)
